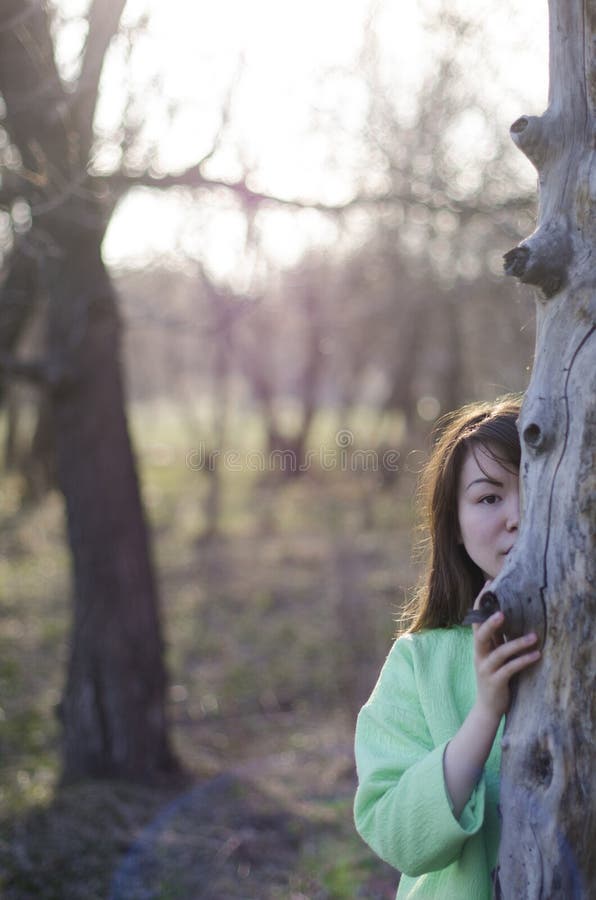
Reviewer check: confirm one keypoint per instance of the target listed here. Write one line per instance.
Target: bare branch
(193, 178)
(104, 19)
(226, 111)
(31, 86)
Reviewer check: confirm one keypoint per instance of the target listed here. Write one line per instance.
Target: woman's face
(488, 510)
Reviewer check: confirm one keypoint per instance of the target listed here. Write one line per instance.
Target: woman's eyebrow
(485, 480)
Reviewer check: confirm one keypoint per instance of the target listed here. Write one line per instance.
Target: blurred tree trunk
(40, 465)
(451, 389)
(222, 317)
(401, 396)
(548, 781)
(311, 375)
(287, 451)
(114, 701)
(11, 438)
(113, 706)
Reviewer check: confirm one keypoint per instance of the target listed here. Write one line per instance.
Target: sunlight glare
(298, 72)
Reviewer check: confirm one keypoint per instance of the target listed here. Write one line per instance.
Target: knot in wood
(515, 261)
(488, 605)
(538, 424)
(540, 762)
(519, 125)
(542, 259)
(533, 435)
(529, 134)
(519, 602)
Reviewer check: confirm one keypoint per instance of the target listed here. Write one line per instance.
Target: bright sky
(295, 57)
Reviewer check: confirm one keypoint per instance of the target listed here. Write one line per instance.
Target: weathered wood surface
(548, 786)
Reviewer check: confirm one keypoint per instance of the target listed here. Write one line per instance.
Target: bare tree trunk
(18, 301)
(113, 706)
(311, 378)
(451, 389)
(40, 463)
(287, 451)
(548, 795)
(401, 397)
(220, 391)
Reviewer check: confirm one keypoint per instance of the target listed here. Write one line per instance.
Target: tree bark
(548, 776)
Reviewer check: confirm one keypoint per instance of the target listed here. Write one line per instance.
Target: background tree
(113, 711)
(548, 783)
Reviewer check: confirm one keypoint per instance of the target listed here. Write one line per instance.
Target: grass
(275, 627)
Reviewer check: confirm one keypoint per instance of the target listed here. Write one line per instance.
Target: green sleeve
(402, 808)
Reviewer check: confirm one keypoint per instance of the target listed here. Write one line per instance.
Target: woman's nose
(512, 513)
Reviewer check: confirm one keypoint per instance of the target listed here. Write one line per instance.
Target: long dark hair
(452, 581)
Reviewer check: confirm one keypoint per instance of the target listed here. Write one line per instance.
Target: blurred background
(286, 222)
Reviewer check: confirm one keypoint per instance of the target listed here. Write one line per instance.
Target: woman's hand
(496, 660)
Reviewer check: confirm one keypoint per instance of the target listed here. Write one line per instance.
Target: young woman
(426, 749)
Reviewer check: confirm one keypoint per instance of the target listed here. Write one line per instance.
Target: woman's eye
(489, 498)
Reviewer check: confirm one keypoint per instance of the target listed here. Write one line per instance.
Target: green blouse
(402, 809)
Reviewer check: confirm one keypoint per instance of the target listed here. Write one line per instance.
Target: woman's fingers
(486, 635)
(516, 665)
(498, 658)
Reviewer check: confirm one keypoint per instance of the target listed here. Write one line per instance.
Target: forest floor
(276, 627)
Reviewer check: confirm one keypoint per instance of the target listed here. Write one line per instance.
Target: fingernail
(497, 616)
